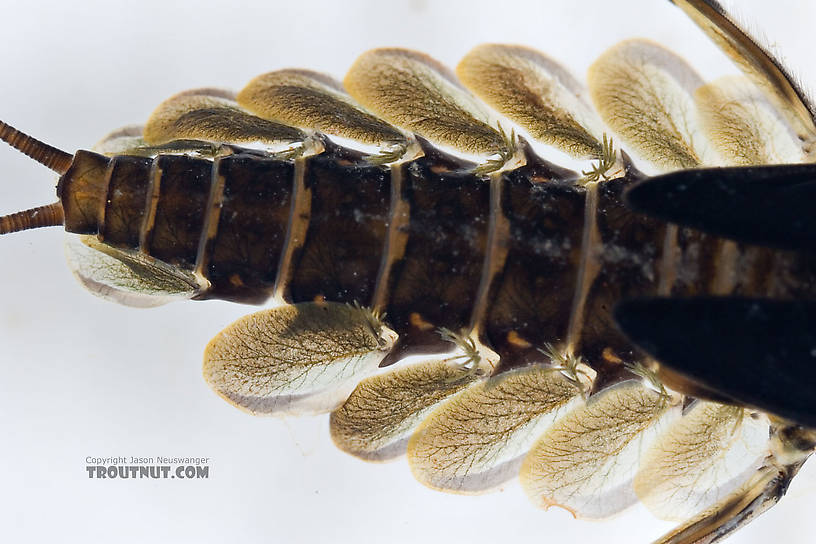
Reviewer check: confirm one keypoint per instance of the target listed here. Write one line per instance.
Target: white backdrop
(82, 377)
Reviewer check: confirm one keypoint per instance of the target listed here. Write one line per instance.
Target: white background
(82, 377)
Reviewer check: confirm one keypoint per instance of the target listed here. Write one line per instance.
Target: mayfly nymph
(401, 213)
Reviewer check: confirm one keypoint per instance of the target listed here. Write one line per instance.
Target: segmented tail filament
(50, 215)
(51, 157)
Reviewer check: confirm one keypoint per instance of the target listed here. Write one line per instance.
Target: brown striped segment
(150, 206)
(243, 254)
(436, 283)
(127, 194)
(531, 298)
(299, 215)
(212, 217)
(588, 267)
(184, 191)
(495, 257)
(82, 191)
(102, 209)
(629, 255)
(396, 237)
(340, 258)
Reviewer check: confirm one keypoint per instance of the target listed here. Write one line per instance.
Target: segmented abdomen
(526, 257)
